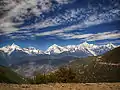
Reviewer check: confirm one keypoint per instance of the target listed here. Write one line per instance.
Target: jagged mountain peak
(14, 46)
(55, 49)
(85, 43)
(54, 46)
(10, 48)
(32, 51)
(84, 47)
(111, 45)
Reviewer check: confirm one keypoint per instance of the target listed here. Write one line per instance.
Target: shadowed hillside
(3, 58)
(8, 76)
(112, 56)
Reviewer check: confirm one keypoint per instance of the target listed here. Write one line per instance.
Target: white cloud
(48, 33)
(111, 41)
(21, 10)
(73, 36)
(90, 21)
(92, 37)
(102, 36)
(8, 27)
(62, 30)
(67, 16)
(87, 37)
(22, 37)
(67, 36)
(18, 37)
(74, 15)
(65, 1)
(8, 4)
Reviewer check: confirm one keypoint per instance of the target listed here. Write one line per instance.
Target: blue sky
(41, 23)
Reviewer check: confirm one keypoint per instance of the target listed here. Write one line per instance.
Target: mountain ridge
(103, 68)
(56, 49)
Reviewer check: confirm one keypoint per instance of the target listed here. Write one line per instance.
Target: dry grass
(61, 86)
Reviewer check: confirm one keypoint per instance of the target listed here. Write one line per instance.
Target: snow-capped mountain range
(26, 61)
(11, 48)
(89, 49)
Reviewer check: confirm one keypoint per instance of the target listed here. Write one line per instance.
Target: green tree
(40, 79)
(65, 75)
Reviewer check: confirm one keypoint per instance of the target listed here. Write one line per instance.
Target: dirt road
(61, 86)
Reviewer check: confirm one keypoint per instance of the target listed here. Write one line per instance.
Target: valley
(92, 69)
(59, 44)
(27, 61)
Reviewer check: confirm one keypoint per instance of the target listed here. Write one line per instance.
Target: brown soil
(61, 86)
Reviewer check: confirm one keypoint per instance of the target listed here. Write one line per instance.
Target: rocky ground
(57, 86)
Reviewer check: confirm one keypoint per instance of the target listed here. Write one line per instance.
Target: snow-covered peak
(10, 48)
(87, 45)
(55, 49)
(14, 46)
(32, 51)
(110, 45)
(54, 46)
(31, 48)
